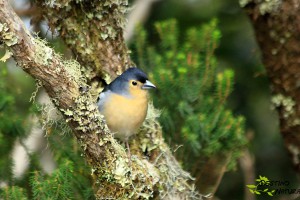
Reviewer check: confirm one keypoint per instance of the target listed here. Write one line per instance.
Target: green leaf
(270, 194)
(252, 191)
(266, 190)
(251, 186)
(257, 192)
(263, 178)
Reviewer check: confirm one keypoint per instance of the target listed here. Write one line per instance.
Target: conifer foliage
(191, 92)
(11, 126)
(71, 179)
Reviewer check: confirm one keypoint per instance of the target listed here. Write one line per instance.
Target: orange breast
(125, 115)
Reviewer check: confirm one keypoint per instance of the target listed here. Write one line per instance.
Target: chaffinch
(124, 103)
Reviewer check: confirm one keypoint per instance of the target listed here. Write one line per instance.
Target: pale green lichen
(7, 37)
(286, 102)
(264, 6)
(86, 25)
(149, 127)
(287, 34)
(296, 122)
(6, 56)
(74, 70)
(282, 40)
(269, 6)
(107, 78)
(173, 180)
(104, 36)
(92, 171)
(104, 11)
(243, 3)
(57, 3)
(68, 112)
(50, 118)
(44, 54)
(71, 69)
(120, 171)
(34, 93)
(274, 52)
(295, 153)
(288, 106)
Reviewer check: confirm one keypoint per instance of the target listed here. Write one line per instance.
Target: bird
(124, 103)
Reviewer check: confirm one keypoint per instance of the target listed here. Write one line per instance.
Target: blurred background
(238, 51)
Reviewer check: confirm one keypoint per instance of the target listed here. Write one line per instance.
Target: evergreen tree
(192, 94)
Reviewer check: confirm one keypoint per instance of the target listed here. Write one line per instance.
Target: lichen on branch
(93, 30)
(66, 85)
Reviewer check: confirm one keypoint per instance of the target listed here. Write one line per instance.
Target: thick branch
(42, 64)
(277, 28)
(94, 31)
(160, 177)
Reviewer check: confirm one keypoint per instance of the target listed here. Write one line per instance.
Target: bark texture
(277, 28)
(93, 30)
(66, 82)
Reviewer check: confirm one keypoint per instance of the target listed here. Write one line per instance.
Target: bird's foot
(128, 152)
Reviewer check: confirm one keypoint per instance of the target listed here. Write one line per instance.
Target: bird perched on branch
(124, 103)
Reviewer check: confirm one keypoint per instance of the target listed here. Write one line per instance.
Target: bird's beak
(148, 85)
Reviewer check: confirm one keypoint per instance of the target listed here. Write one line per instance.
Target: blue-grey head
(130, 83)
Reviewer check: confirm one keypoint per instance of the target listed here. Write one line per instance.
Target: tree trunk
(277, 29)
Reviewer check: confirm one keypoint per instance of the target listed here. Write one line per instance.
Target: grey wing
(103, 97)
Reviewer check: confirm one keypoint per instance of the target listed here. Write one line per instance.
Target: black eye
(134, 83)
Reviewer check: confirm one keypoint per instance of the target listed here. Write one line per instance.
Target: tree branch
(160, 177)
(93, 30)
